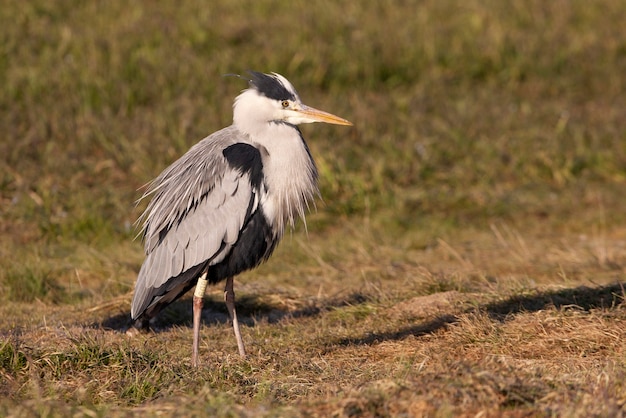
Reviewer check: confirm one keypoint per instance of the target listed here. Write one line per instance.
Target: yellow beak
(316, 115)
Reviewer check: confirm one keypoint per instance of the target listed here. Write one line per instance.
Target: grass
(468, 256)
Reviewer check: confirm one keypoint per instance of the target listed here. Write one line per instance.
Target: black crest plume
(271, 86)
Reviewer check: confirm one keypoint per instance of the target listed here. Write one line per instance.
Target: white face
(252, 111)
(297, 113)
(291, 111)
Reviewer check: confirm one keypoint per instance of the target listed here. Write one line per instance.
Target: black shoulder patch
(270, 86)
(247, 159)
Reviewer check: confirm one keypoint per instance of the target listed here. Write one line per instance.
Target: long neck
(289, 170)
(290, 174)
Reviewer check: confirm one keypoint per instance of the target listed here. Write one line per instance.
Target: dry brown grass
(491, 343)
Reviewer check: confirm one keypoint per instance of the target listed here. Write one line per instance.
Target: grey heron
(223, 206)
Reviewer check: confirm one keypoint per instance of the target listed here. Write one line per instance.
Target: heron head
(272, 98)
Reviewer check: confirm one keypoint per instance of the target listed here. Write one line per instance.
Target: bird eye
(285, 103)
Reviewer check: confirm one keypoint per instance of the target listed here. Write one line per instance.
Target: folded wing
(200, 206)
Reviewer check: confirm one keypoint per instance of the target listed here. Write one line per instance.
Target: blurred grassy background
(464, 114)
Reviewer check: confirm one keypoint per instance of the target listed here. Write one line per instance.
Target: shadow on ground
(583, 298)
(250, 310)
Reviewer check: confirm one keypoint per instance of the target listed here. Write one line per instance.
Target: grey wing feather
(196, 231)
(218, 230)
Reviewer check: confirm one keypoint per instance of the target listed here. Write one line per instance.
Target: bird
(223, 206)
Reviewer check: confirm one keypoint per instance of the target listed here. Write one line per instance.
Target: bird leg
(229, 298)
(198, 301)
